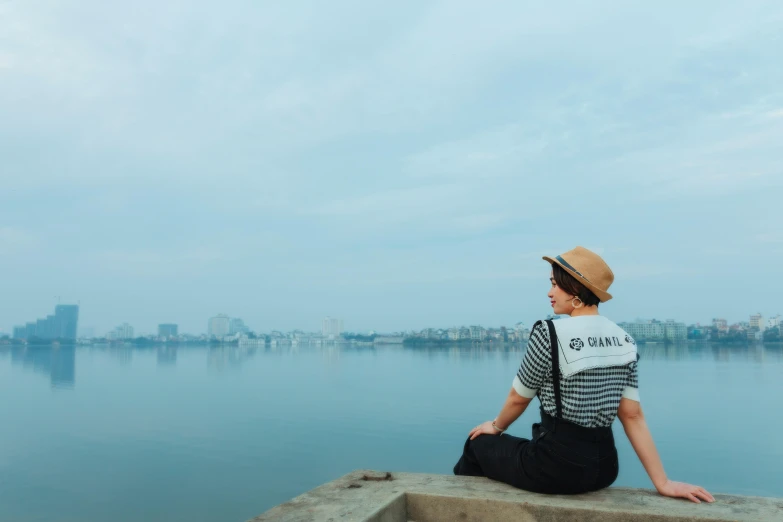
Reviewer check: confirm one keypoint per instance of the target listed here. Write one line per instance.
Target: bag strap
(555, 349)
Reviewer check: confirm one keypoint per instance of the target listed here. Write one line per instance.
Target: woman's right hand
(693, 493)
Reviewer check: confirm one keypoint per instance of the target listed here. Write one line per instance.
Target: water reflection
(458, 351)
(58, 362)
(220, 358)
(759, 353)
(167, 355)
(122, 353)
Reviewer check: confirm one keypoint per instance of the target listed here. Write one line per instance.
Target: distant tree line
(359, 337)
(39, 341)
(421, 341)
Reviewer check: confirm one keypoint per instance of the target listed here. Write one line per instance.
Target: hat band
(574, 270)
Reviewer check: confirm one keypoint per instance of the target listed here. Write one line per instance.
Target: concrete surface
(372, 496)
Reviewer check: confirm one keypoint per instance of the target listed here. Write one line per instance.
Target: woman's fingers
(693, 498)
(704, 495)
(482, 429)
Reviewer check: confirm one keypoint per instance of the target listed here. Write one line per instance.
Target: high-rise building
(66, 321)
(167, 330)
(61, 325)
(774, 322)
(44, 327)
(237, 325)
(121, 333)
(331, 327)
(757, 322)
(219, 326)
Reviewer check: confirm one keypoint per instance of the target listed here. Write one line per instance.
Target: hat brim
(602, 295)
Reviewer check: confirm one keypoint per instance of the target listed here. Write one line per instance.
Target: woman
(584, 371)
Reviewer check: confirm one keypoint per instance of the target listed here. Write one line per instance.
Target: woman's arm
(514, 406)
(631, 415)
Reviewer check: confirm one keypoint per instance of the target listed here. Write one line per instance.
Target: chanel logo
(576, 344)
(629, 340)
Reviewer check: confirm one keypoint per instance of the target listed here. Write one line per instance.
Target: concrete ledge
(371, 496)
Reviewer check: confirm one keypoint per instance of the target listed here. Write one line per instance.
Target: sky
(398, 165)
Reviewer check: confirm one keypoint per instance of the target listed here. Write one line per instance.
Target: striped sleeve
(536, 363)
(631, 390)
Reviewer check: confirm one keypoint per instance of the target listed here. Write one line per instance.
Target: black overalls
(562, 457)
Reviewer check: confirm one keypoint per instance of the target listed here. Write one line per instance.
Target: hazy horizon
(398, 166)
(152, 330)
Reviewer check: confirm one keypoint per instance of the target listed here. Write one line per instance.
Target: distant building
(757, 322)
(429, 333)
(219, 326)
(675, 331)
(331, 327)
(62, 325)
(121, 333)
(774, 322)
(477, 333)
(645, 330)
(522, 333)
(168, 330)
(454, 334)
(698, 331)
(721, 325)
(656, 330)
(66, 321)
(237, 326)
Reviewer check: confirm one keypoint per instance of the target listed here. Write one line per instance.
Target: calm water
(199, 434)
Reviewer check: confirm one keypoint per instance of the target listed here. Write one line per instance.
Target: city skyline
(222, 325)
(374, 163)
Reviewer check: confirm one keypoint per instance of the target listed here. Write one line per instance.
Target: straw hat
(588, 268)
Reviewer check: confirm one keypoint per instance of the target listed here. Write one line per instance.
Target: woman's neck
(585, 310)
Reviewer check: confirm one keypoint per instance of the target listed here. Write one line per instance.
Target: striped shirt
(590, 398)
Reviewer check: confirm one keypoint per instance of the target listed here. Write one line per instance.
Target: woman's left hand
(485, 428)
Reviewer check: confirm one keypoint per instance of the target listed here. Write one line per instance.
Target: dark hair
(571, 285)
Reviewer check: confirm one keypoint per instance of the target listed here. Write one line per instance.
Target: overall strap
(555, 349)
